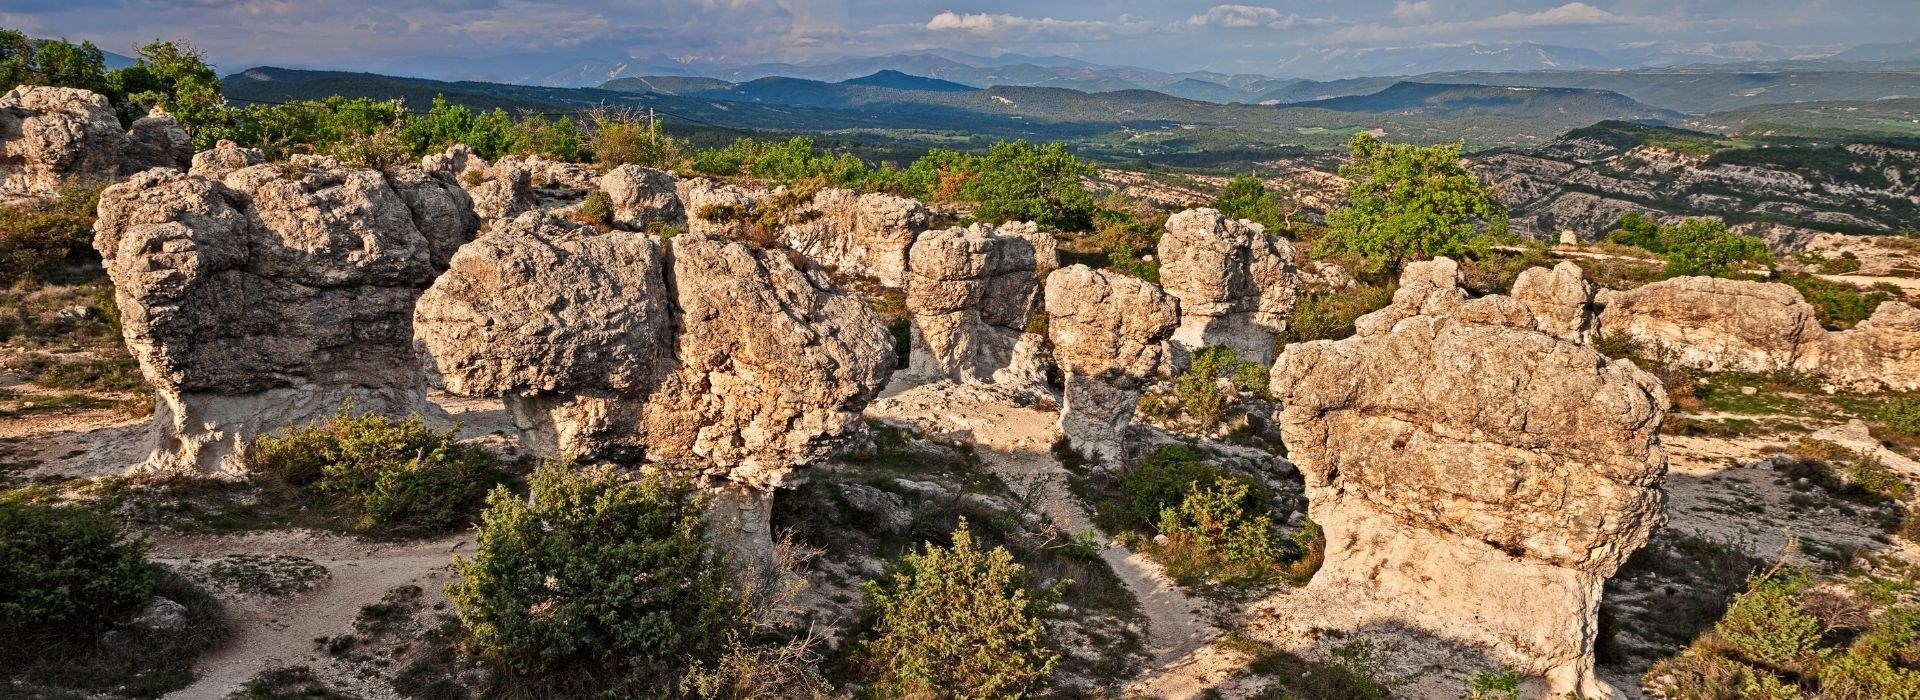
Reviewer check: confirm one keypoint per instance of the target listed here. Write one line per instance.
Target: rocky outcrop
(513, 184)
(712, 359)
(1880, 353)
(271, 297)
(225, 157)
(1235, 283)
(1877, 255)
(718, 359)
(51, 135)
(1560, 300)
(642, 197)
(971, 293)
(701, 196)
(1474, 476)
(1109, 333)
(860, 234)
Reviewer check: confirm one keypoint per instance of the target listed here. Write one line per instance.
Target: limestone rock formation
(1881, 352)
(1714, 324)
(225, 157)
(700, 196)
(743, 367)
(1878, 255)
(1236, 284)
(971, 292)
(50, 135)
(270, 297)
(643, 196)
(1475, 476)
(862, 234)
(1109, 333)
(1561, 300)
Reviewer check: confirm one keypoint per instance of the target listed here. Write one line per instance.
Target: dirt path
(271, 632)
(1015, 444)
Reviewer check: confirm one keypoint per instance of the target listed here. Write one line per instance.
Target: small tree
(1018, 181)
(957, 623)
(1247, 197)
(596, 582)
(1708, 247)
(1638, 230)
(65, 573)
(1411, 203)
(174, 77)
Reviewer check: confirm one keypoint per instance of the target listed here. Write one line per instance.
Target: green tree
(1638, 230)
(65, 573)
(1708, 247)
(1411, 203)
(596, 582)
(957, 622)
(56, 62)
(174, 77)
(1247, 197)
(1018, 181)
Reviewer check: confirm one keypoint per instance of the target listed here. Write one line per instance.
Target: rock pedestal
(971, 292)
(861, 234)
(273, 296)
(1476, 476)
(1236, 284)
(1109, 333)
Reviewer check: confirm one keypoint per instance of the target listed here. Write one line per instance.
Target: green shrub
(1247, 197)
(596, 582)
(1409, 203)
(1707, 247)
(1330, 315)
(393, 476)
(65, 573)
(1703, 675)
(1768, 627)
(1019, 181)
(1199, 388)
(1163, 480)
(628, 138)
(1860, 674)
(1901, 413)
(1638, 230)
(1312, 543)
(598, 208)
(34, 239)
(1838, 305)
(1504, 685)
(1213, 535)
(957, 623)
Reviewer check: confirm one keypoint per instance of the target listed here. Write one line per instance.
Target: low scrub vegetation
(1330, 315)
(1206, 524)
(1211, 388)
(386, 476)
(36, 240)
(1837, 305)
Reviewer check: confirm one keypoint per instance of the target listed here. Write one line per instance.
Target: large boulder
(711, 359)
(971, 292)
(702, 199)
(643, 196)
(1714, 324)
(1879, 353)
(861, 234)
(1109, 333)
(271, 297)
(1236, 284)
(50, 136)
(225, 157)
(1476, 475)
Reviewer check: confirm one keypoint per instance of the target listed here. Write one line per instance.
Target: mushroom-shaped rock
(50, 136)
(1475, 475)
(862, 234)
(267, 299)
(643, 196)
(1109, 332)
(1714, 324)
(971, 292)
(1236, 284)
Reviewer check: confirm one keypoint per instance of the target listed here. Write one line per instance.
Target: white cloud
(1014, 27)
(1571, 15)
(1250, 17)
(1412, 11)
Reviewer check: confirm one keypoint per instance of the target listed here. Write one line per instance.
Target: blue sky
(394, 35)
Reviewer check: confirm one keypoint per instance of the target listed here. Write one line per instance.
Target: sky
(482, 38)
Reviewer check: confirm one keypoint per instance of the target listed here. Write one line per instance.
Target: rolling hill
(896, 80)
(1465, 100)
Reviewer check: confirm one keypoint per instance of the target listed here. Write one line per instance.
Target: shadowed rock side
(1109, 333)
(1236, 284)
(273, 296)
(711, 359)
(971, 292)
(49, 135)
(1474, 474)
(1735, 325)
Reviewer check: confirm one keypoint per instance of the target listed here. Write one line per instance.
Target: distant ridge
(1463, 99)
(897, 80)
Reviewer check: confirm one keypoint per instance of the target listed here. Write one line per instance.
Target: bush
(33, 240)
(1330, 315)
(958, 623)
(596, 582)
(1247, 197)
(1018, 181)
(1638, 230)
(1901, 413)
(598, 208)
(392, 476)
(1199, 388)
(1163, 480)
(621, 137)
(1504, 685)
(1837, 305)
(1411, 203)
(1708, 247)
(66, 573)
(1213, 535)
(1768, 627)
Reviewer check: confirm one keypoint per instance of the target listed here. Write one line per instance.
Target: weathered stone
(1236, 284)
(1109, 333)
(1714, 324)
(643, 196)
(701, 197)
(1560, 299)
(1879, 353)
(971, 292)
(225, 157)
(861, 234)
(50, 136)
(268, 299)
(1474, 477)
